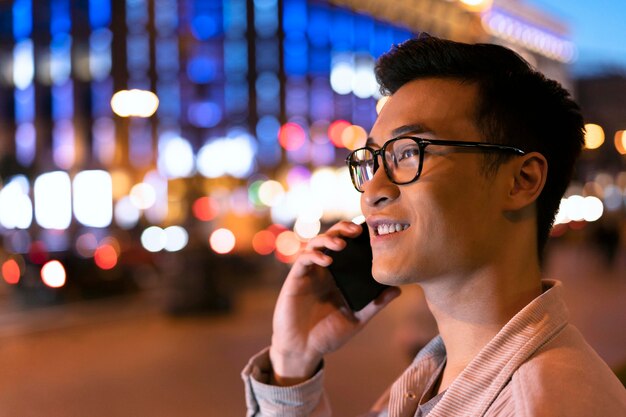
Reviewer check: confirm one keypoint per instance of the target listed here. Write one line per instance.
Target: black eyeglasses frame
(423, 144)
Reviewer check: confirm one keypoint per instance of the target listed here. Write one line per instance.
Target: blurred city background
(162, 161)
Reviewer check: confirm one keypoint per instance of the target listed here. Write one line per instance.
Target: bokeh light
(126, 213)
(271, 193)
(143, 196)
(353, 137)
(594, 136)
(205, 208)
(137, 103)
(86, 245)
(307, 228)
(287, 243)
(264, 242)
(11, 271)
(335, 132)
(222, 241)
(153, 239)
(176, 238)
(620, 141)
(291, 136)
(105, 257)
(53, 274)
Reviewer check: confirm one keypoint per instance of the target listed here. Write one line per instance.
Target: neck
(471, 308)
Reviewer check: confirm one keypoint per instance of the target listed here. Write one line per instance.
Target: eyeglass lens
(402, 159)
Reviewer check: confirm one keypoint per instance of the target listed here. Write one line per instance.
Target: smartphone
(352, 270)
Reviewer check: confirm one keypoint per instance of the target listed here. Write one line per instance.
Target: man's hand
(310, 318)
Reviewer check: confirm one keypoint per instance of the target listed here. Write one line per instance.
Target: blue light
(25, 104)
(296, 55)
(296, 100)
(101, 93)
(362, 25)
(202, 69)
(204, 114)
(381, 39)
(295, 15)
(167, 56)
(22, 19)
(342, 31)
(60, 21)
(206, 26)
(318, 26)
(166, 16)
(99, 13)
(319, 61)
(267, 86)
(169, 94)
(235, 17)
(267, 129)
(236, 96)
(25, 143)
(62, 101)
(266, 53)
(266, 18)
(401, 35)
(236, 56)
(138, 53)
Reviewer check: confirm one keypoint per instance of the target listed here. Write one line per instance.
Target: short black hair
(518, 106)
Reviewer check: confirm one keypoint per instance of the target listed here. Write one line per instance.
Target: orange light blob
(205, 209)
(264, 242)
(11, 272)
(291, 136)
(335, 131)
(353, 136)
(287, 243)
(105, 257)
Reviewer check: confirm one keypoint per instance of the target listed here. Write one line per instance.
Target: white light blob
(341, 76)
(137, 103)
(176, 238)
(23, 64)
(93, 198)
(306, 228)
(176, 159)
(142, 196)
(53, 206)
(16, 209)
(126, 213)
(153, 239)
(593, 209)
(53, 274)
(232, 156)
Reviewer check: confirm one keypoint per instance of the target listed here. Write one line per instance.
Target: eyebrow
(414, 128)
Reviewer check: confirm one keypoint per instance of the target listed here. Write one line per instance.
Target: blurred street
(125, 357)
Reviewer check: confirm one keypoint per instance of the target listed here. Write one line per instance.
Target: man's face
(446, 216)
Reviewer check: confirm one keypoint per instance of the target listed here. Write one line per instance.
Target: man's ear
(529, 177)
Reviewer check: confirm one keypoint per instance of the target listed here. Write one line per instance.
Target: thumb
(377, 304)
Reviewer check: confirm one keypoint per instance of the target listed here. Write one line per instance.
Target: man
(476, 151)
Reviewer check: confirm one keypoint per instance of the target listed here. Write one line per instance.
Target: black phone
(352, 270)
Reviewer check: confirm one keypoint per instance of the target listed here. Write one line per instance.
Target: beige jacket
(537, 365)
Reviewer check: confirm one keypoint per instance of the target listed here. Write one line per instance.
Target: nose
(379, 190)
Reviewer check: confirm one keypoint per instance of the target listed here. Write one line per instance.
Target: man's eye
(407, 153)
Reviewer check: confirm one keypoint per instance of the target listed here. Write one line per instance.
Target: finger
(376, 305)
(333, 238)
(313, 257)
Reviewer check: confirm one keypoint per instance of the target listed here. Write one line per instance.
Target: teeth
(385, 229)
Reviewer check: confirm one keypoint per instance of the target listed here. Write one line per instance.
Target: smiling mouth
(387, 229)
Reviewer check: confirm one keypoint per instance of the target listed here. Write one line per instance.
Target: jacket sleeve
(263, 400)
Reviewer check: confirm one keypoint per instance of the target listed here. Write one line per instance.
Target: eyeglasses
(403, 158)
